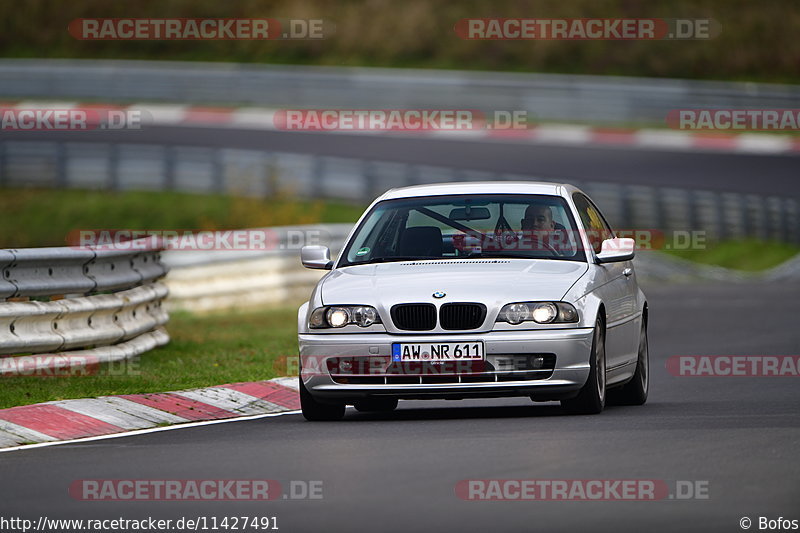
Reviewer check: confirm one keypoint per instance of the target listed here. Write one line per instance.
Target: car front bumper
(571, 347)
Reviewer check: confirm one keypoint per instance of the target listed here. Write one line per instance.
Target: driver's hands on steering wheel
(544, 244)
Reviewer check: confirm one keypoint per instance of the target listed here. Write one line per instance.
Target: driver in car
(541, 232)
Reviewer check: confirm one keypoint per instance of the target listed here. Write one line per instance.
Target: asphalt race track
(737, 436)
(708, 170)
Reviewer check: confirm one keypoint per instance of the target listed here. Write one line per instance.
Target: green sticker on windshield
(363, 251)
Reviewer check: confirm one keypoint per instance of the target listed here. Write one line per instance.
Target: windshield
(466, 226)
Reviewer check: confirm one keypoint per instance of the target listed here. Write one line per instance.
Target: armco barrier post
(318, 176)
(217, 172)
(61, 166)
(3, 170)
(722, 225)
(169, 167)
(113, 167)
(368, 175)
(783, 220)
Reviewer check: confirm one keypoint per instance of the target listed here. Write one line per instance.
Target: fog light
(536, 362)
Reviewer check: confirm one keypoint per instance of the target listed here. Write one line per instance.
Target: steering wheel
(546, 246)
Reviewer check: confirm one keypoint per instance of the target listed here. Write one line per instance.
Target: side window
(596, 227)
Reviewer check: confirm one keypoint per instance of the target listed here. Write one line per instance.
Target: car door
(618, 292)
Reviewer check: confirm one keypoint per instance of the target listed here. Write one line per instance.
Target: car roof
(478, 187)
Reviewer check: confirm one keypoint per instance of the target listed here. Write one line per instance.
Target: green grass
(749, 255)
(44, 217)
(204, 351)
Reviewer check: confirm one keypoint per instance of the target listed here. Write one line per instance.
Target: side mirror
(318, 257)
(614, 250)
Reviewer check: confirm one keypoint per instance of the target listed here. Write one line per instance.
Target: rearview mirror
(470, 213)
(614, 250)
(318, 257)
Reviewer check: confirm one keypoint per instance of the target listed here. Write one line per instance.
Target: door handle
(627, 272)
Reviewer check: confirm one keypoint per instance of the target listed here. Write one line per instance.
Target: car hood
(493, 282)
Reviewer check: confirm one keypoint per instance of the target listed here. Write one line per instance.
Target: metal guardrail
(282, 240)
(209, 281)
(81, 362)
(66, 270)
(99, 320)
(253, 173)
(545, 96)
(108, 304)
(268, 281)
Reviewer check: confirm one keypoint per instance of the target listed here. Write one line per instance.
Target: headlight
(539, 312)
(341, 315)
(516, 313)
(338, 317)
(365, 316)
(545, 313)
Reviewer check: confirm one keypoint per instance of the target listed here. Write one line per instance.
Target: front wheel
(592, 397)
(315, 411)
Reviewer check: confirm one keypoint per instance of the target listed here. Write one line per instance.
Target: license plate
(437, 352)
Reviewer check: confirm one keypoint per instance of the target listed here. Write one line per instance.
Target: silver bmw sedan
(474, 290)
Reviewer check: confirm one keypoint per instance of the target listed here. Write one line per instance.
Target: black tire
(592, 397)
(376, 405)
(315, 411)
(635, 391)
